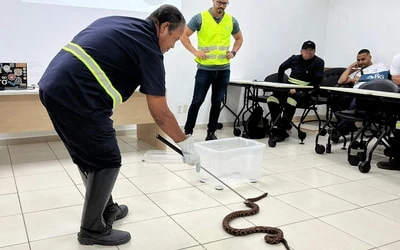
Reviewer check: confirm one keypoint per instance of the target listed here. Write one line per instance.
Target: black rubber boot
(93, 229)
(274, 110)
(288, 116)
(113, 211)
(210, 136)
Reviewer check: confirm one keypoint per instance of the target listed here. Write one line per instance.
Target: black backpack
(256, 126)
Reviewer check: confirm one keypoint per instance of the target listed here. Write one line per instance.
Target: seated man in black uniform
(307, 69)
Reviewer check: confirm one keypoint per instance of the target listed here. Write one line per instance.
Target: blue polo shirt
(127, 51)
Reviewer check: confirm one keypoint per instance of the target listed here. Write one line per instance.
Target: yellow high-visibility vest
(96, 70)
(214, 39)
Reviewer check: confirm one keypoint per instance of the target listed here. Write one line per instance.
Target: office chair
(259, 95)
(331, 77)
(377, 118)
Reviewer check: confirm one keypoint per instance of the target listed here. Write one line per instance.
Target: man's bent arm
(238, 41)
(186, 41)
(164, 118)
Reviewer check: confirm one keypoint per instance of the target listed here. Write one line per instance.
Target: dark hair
(168, 13)
(366, 51)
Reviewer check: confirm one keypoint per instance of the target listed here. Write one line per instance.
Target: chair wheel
(236, 132)
(302, 135)
(322, 132)
(319, 149)
(364, 167)
(328, 148)
(220, 125)
(271, 142)
(353, 160)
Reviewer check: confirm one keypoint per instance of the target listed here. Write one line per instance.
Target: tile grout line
(19, 200)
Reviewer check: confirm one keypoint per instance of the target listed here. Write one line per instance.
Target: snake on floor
(274, 234)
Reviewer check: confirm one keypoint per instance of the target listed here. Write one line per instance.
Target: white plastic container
(234, 160)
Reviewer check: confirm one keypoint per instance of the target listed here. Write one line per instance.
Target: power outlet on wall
(185, 108)
(179, 109)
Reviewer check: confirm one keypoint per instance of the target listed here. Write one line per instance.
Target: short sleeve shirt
(395, 66)
(125, 48)
(373, 68)
(195, 23)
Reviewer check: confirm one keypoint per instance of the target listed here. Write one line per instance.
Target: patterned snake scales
(274, 234)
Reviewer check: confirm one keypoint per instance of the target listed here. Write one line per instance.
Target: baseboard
(49, 136)
(308, 118)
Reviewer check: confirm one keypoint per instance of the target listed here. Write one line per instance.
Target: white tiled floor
(319, 201)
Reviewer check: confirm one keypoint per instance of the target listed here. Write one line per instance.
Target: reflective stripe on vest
(298, 82)
(95, 69)
(214, 39)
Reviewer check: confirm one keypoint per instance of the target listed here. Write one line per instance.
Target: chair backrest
(379, 85)
(331, 77)
(274, 78)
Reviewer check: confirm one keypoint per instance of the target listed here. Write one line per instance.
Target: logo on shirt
(372, 76)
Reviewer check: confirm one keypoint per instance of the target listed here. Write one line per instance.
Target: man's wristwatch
(233, 52)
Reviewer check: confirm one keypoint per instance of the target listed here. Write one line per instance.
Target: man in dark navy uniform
(306, 69)
(101, 67)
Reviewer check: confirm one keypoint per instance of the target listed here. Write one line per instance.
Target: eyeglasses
(222, 3)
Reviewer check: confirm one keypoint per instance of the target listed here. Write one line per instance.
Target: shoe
(284, 124)
(335, 136)
(109, 237)
(277, 134)
(115, 212)
(94, 229)
(388, 165)
(211, 136)
(283, 133)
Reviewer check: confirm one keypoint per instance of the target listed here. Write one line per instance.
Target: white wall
(272, 32)
(357, 24)
(272, 29)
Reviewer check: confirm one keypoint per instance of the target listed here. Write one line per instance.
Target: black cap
(308, 45)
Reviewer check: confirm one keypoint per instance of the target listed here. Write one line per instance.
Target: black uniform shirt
(127, 51)
(305, 70)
